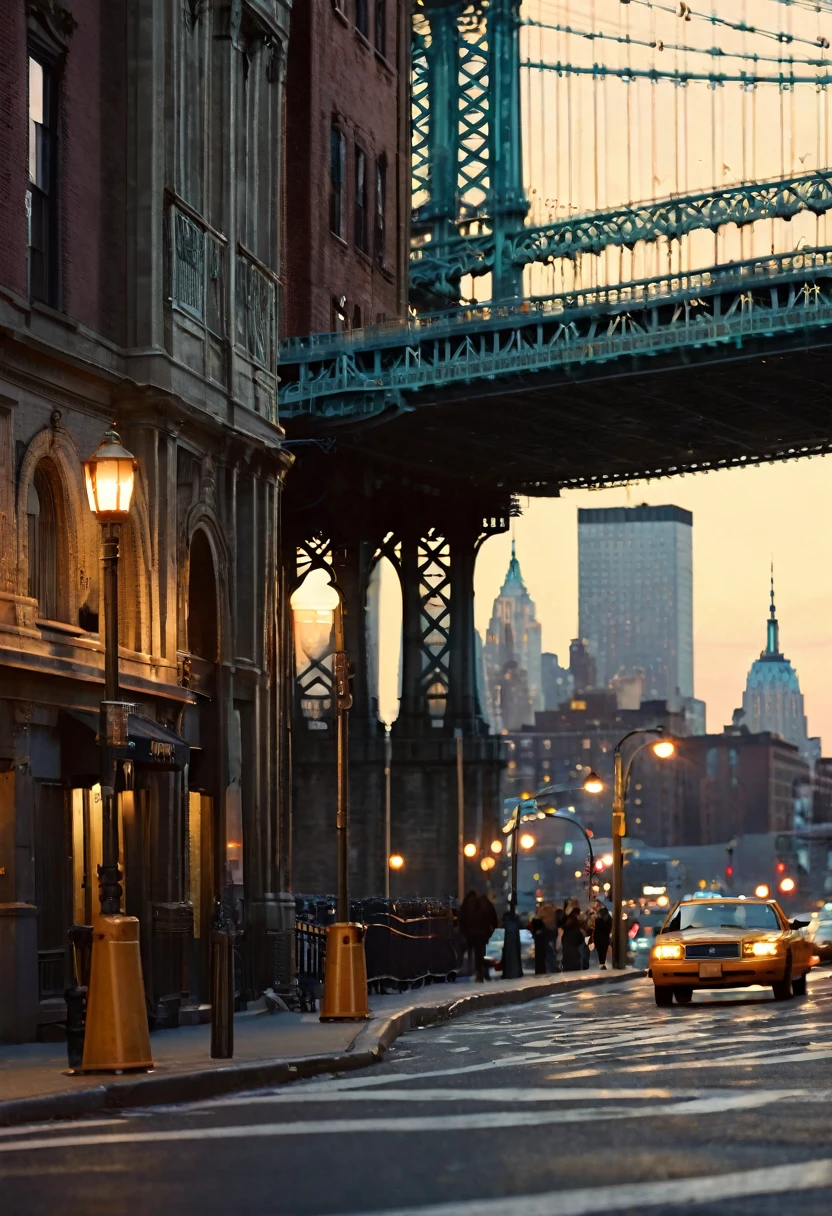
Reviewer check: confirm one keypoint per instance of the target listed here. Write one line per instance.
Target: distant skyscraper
(772, 699)
(556, 680)
(636, 596)
(513, 654)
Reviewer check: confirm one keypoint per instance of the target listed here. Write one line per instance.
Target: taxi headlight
(669, 950)
(759, 949)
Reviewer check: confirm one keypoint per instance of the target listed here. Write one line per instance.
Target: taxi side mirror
(799, 924)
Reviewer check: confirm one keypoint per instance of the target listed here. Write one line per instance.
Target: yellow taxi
(729, 943)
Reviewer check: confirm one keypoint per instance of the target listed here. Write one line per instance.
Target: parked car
(494, 949)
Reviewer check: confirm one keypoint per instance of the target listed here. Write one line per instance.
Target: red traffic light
(781, 867)
(729, 871)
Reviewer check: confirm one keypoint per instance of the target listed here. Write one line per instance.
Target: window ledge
(364, 256)
(385, 62)
(363, 41)
(339, 239)
(54, 314)
(341, 15)
(64, 627)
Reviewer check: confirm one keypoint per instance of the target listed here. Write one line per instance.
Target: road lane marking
(470, 1121)
(676, 1193)
(505, 1094)
(26, 1129)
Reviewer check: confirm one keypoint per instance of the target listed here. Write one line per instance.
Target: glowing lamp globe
(110, 474)
(762, 892)
(470, 850)
(496, 846)
(593, 784)
(526, 841)
(664, 749)
(395, 861)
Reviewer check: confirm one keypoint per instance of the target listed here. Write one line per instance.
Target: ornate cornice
(52, 24)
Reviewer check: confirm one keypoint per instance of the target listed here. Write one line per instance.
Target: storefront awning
(153, 744)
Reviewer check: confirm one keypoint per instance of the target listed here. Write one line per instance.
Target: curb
(367, 1048)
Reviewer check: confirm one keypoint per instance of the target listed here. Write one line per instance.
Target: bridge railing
(733, 275)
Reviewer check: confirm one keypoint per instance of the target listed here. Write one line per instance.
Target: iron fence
(407, 943)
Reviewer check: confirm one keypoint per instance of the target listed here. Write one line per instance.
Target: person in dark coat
(572, 939)
(602, 933)
(543, 929)
(477, 921)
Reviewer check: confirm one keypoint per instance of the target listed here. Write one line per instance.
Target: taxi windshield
(723, 916)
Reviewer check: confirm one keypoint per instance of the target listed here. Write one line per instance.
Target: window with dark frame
(380, 230)
(338, 147)
(362, 17)
(339, 314)
(381, 27)
(42, 193)
(360, 200)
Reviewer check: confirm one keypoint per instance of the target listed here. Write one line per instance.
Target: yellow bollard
(345, 975)
(117, 1037)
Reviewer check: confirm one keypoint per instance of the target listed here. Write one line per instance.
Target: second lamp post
(663, 748)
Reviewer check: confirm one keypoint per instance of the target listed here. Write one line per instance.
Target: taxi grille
(714, 950)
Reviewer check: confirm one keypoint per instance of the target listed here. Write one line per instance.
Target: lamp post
(512, 961)
(116, 1036)
(319, 620)
(663, 748)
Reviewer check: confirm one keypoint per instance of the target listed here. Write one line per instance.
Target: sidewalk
(269, 1049)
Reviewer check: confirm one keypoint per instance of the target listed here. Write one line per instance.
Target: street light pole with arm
(512, 963)
(621, 785)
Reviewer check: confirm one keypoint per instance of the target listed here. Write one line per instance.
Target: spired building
(140, 159)
(636, 597)
(513, 661)
(772, 700)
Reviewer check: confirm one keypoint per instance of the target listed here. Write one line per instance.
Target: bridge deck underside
(596, 425)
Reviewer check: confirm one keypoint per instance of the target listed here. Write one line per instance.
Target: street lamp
(116, 1035)
(395, 861)
(318, 612)
(470, 850)
(663, 749)
(592, 784)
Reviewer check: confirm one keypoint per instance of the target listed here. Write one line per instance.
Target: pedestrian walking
(538, 932)
(572, 940)
(602, 933)
(477, 921)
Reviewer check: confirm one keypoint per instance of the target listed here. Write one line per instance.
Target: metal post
(109, 876)
(619, 828)
(388, 808)
(512, 959)
(343, 704)
(460, 817)
(222, 985)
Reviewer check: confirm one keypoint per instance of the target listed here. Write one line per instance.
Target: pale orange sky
(741, 520)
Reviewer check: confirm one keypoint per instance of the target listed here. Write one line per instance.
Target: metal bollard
(222, 995)
(80, 940)
(76, 1017)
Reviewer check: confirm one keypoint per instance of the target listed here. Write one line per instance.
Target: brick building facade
(347, 202)
(139, 255)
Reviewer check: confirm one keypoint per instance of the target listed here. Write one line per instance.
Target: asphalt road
(595, 1102)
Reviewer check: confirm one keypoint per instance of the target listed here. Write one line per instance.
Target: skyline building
(636, 597)
(772, 700)
(512, 654)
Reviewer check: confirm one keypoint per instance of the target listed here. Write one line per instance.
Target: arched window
(45, 574)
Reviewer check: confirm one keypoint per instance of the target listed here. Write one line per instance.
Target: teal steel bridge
(521, 114)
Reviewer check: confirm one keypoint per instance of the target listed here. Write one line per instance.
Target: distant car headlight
(759, 949)
(668, 950)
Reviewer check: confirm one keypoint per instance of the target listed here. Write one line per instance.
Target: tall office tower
(636, 597)
(513, 654)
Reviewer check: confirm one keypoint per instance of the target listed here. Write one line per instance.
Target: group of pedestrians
(564, 936)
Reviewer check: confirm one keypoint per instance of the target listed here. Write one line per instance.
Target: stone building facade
(139, 252)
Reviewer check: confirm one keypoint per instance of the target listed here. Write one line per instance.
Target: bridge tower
(467, 151)
(431, 538)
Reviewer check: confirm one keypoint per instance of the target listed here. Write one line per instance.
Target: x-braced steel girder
(355, 377)
(438, 268)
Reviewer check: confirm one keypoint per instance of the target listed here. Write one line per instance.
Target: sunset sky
(741, 521)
